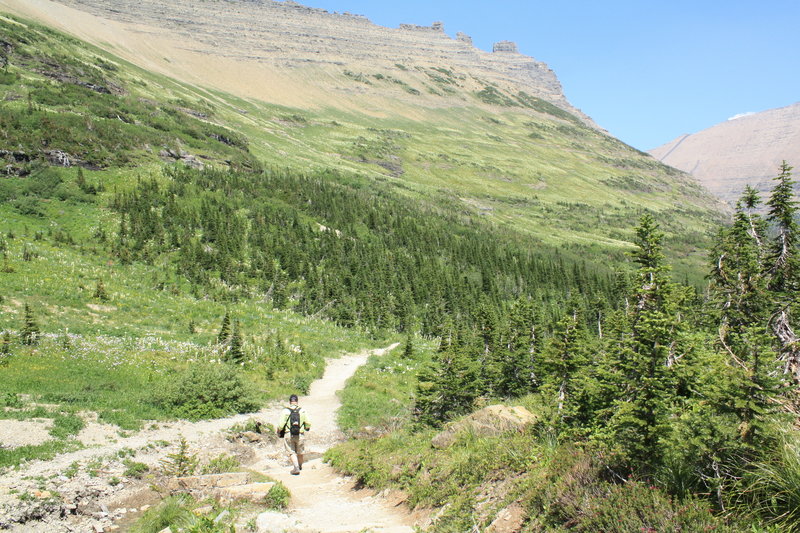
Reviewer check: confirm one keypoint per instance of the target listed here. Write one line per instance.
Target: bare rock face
(287, 36)
(746, 150)
(505, 46)
(491, 420)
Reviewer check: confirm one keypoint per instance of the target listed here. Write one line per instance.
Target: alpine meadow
(586, 339)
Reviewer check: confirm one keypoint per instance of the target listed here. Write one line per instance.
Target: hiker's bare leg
(300, 460)
(295, 462)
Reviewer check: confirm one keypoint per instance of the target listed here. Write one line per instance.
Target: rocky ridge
(287, 35)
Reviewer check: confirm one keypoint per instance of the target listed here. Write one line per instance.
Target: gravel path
(322, 501)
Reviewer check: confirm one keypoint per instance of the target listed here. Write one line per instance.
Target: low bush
(174, 512)
(770, 488)
(221, 464)
(635, 507)
(10, 399)
(135, 469)
(278, 496)
(206, 391)
(65, 425)
(44, 452)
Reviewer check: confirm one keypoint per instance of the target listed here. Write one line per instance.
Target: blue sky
(647, 71)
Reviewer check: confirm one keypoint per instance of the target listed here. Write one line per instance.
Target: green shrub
(135, 469)
(42, 452)
(206, 391)
(770, 488)
(251, 424)
(174, 512)
(180, 463)
(10, 399)
(123, 419)
(278, 496)
(66, 425)
(635, 507)
(490, 95)
(221, 463)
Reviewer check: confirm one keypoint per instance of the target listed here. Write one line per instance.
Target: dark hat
(293, 398)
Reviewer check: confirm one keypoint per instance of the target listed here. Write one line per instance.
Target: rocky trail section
(98, 497)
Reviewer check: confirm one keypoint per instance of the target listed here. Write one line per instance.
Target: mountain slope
(433, 116)
(745, 150)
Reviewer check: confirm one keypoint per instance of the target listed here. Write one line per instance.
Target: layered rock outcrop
(290, 35)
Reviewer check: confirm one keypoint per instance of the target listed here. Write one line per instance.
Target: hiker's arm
(305, 421)
(284, 420)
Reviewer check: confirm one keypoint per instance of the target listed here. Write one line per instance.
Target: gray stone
(209, 481)
(253, 492)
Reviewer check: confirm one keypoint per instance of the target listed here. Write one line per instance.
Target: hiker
(294, 423)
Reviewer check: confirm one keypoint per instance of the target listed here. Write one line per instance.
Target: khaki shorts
(293, 444)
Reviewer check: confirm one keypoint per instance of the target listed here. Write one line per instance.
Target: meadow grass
(11, 457)
(380, 394)
(109, 355)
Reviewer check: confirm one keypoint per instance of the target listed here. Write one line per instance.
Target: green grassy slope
(509, 157)
(506, 160)
(111, 334)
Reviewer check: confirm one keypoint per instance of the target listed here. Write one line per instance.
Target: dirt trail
(322, 501)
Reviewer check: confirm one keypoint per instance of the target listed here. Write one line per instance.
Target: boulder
(509, 520)
(253, 492)
(208, 482)
(491, 420)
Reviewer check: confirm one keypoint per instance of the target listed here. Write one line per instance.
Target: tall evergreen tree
(643, 357)
(740, 292)
(450, 386)
(519, 358)
(784, 270)
(5, 343)
(408, 347)
(563, 357)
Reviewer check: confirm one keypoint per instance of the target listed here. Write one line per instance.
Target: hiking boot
(295, 472)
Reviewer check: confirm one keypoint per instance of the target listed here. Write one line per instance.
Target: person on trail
(293, 425)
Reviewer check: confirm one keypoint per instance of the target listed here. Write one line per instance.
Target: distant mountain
(485, 133)
(744, 150)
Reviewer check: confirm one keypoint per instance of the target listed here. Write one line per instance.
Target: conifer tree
(740, 293)
(235, 353)
(519, 360)
(29, 334)
(408, 347)
(784, 270)
(644, 355)
(450, 386)
(225, 329)
(564, 356)
(100, 291)
(783, 253)
(5, 343)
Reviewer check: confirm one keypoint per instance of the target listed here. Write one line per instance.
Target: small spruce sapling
(29, 334)
(225, 329)
(100, 291)
(408, 348)
(180, 463)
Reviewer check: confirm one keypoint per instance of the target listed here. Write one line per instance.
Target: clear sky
(645, 70)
